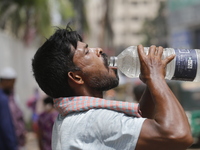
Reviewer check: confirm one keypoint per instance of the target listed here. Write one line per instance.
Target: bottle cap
(113, 61)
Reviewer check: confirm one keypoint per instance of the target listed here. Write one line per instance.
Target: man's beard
(103, 83)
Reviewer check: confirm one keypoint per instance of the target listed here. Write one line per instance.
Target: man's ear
(74, 77)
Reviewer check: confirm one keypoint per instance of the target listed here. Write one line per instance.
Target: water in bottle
(183, 67)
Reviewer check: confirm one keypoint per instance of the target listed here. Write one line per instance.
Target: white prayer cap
(8, 73)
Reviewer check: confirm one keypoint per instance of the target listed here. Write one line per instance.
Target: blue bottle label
(185, 65)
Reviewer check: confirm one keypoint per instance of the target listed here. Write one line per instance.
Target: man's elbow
(188, 140)
(182, 141)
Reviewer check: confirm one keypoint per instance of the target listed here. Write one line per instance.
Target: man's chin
(114, 83)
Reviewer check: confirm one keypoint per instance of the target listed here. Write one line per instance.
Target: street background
(112, 25)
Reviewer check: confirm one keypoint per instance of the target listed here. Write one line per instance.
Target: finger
(169, 58)
(156, 51)
(160, 51)
(140, 50)
(152, 50)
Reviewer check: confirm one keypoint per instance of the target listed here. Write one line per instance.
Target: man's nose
(99, 52)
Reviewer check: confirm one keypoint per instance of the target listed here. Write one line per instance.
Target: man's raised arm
(166, 126)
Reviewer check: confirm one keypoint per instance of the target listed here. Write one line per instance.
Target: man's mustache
(105, 58)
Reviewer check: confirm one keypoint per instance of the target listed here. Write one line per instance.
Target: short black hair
(53, 60)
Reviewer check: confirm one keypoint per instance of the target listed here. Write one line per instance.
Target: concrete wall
(15, 54)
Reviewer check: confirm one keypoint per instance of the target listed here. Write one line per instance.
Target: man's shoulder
(96, 112)
(96, 115)
(96, 124)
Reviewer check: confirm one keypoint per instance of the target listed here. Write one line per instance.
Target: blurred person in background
(45, 124)
(32, 104)
(76, 76)
(11, 114)
(8, 140)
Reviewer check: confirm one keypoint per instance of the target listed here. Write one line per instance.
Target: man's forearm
(147, 105)
(168, 110)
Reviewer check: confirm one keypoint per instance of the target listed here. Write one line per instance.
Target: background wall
(15, 54)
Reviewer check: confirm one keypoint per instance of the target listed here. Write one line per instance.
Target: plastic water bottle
(184, 67)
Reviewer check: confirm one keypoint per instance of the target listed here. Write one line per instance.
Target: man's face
(7, 85)
(94, 66)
